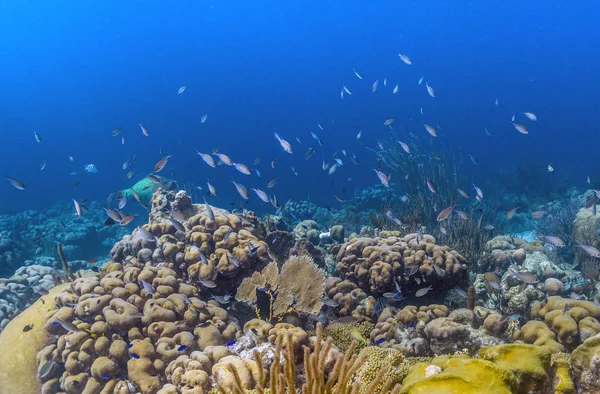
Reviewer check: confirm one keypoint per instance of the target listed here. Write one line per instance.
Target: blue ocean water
(74, 71)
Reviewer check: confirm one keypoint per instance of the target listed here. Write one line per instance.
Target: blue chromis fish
(357, 336)
(91, 168)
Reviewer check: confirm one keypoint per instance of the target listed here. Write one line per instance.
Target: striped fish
(381, 303)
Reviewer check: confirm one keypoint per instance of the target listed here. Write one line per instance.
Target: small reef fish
(531, 116)
(395, 89)
(357, 336)
(430, 129)
(145, 234)
(319, 126)
(404, 146)
(148, 287)
(346, 88)
(378, 307)
(374, 86)
(77, 208)
(127, 219)
(358, 75)
(430, 90)
(16, 183)
(550, 168)
(431, 185)
(537, 214)
(241, 189)
(242, 168)
(144, 130)
(37, 137)
(525, 277)
(204, 118)
(261, 194)
(160, 165)
(510, 214)
(405, 59)
(47, 368)
(592, 251)
(556, 241)
(114, 215)
(445, 213)
(423, 291)
(43, 165)
(384, 179)
(91, 168)
(309, 153)
(209, 211)
(208, 283)
(272, 183)
(181, 89)
(207, 158)
(224, 158)
(221, 299)
(520, 128)
(211, 188)
(284, 144)
(479, 195)
(359, 134)
(389, 121)
(463, 193)
(68, 326)
(329, 302)
(178, 226)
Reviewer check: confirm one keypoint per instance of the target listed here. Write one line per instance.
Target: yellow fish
(357, 336)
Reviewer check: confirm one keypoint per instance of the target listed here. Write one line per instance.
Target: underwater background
(429, 158)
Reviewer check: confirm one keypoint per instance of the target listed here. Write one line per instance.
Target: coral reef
(22, 289)
(585, 366)
(374, 264)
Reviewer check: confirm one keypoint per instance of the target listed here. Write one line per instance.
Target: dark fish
(27, 327)
(379, 306)
(135, 356)
(178, 226)
(154, 178)
(109, 222)
(347, 320)
(380, 341)
(230, 343)
(181, 348)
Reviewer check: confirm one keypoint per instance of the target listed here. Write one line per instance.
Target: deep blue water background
(73, 71)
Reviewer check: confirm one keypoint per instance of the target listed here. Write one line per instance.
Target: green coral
(459, 375)
(529, 363)
(340, 333)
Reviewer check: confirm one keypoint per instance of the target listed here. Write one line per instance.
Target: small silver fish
(148, 287)
(423, 291)
(209, 211)
(207, 158)
(284, 144)
(147, 235)
(242, 168)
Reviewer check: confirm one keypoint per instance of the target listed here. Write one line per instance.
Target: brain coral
(375, 263)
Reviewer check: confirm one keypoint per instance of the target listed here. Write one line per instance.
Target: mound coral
(585, 365)
(202, 242)
(129, 325)
(374, 264)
